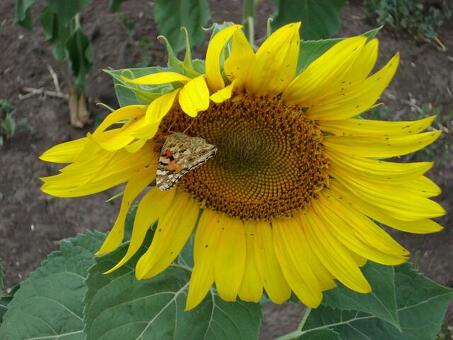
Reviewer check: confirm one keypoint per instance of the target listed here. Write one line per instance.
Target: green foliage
(23, 16)
(320, 19)
(380, 303)
(171, 15)
(60, 22)
(80, 56)
(8, 124)
(49, 303)
(418, 309)
(120, 307)
(413, 16)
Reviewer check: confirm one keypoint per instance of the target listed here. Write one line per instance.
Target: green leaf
(120, 307)
(381, 302)
(80, 57)
(312, 49)
(421, 306)
(320, 19)
(66, 10)
(8, 125)
(115, 5)
(56, 33)
(23, 16)
(49, 303)
(171, 15)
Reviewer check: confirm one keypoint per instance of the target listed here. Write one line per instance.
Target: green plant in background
(60, 20)
(417, 17)
(8, 124)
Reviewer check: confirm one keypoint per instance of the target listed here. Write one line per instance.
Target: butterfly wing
(179, 155)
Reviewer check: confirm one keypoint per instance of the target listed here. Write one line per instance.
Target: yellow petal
(400, 204)
(364, 228)
(172, 232)
(380, 146)
(213, 71)
(276, 61)
(133, 188)
(352, 99)
(223, 94)
(160, 106)
(300, 248)
(377, 169)
(364, 63)
(230, 258)
(378, 128)
(97, 170)
(158, 78)
(422, 186)
(333, 255)
(251, 288)
(152, 207)
(325, 72)
(65, 152)
(294, 242)
(194, 96)
(120, 116)
(268, 267)
(302, 286)
(155, 112)
(205, 249)
(239, 64)
(135, 146)
(422, 226)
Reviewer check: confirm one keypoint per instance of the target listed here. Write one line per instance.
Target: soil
(32, 223)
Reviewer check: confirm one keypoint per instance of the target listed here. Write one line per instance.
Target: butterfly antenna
(187, 128)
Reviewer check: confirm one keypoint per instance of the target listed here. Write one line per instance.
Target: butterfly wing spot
(179, 155)
(173, 166)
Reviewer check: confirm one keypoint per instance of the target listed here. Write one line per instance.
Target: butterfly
(179, 155)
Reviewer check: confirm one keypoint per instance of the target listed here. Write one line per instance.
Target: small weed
(8, 124)
(413, 16)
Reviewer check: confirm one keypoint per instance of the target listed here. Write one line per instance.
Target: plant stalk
(248, 16)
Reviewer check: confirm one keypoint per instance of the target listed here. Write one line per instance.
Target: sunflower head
(292, 200)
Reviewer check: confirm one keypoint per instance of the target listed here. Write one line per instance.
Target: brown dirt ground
(32, 224)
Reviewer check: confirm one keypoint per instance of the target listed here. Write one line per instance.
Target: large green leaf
(380, 303)
(120, 307)
(49, 304)
(23, 16)
(421, 305)
(171, 15)
(320, 19)
(80, 56)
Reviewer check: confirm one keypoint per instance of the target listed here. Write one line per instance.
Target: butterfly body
(179, 155)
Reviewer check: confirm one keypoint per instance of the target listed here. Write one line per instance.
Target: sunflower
(294, 198)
